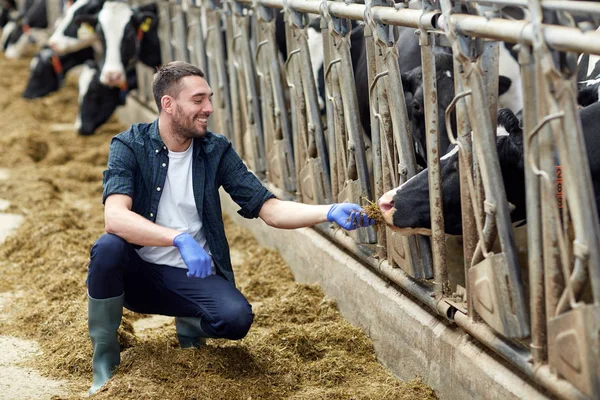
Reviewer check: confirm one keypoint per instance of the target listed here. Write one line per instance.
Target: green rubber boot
(104, 318)
(189, 332)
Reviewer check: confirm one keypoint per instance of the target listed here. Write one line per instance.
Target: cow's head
(120, 30)
(47, 70)
(509, 95)
(43, 75)
(97, 102)
(69, 36)
(415, 96)
(406, 208)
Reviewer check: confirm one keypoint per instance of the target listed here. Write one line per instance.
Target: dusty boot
(189, 332)
(104, 318)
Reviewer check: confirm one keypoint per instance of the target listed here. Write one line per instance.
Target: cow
(127, 35)
(8, 12)
(67, 36)
(509, 96)
(406, 208)
(97, 102)
(48, 70)
(28, 30)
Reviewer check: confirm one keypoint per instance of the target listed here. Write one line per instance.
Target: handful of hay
(372, 211)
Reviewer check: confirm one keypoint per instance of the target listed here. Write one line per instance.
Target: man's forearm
(136, 229)
(292, 215)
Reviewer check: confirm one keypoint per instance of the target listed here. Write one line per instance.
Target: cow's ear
(504, 83)
(587, 95)
(145, 21)
(408, 83)
(91, 19)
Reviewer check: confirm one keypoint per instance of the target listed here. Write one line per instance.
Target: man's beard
(182, 127)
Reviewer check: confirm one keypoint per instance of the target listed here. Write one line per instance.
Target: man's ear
(166, 103)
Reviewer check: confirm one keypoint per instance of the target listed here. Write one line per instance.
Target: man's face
(192, 108)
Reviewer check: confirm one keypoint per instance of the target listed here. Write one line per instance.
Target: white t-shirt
(176, 210)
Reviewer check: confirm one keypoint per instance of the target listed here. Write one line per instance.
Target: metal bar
(375, 138)
(314, 114)
(558, 37)
(465, 157)
(485, 147)
(438, 236)
(534, 235)
(574, 7)
(242, 23)
(351, 113)
(520, 358)
(235, 122)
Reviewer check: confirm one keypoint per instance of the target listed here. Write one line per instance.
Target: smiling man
(165, 250)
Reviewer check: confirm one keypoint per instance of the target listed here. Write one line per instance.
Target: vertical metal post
(438, 236)
(534, 235)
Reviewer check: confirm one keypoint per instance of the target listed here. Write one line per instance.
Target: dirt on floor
(298, 348)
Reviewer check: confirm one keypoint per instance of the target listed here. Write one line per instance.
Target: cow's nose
(386, 202)
(115, 77)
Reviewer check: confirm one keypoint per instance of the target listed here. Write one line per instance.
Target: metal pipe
(310, 91)
(519, 358)
(534, 234)
(385, 15)
(558, 37)
(465, 157)
(485, 147)
(438, 236)
(375, 138)
(419, 290)
(574, 7)
(350, 101)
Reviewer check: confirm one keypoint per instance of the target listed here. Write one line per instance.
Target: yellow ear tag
(145, 26)
(85, 31)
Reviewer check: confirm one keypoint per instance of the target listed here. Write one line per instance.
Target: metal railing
(545, 321)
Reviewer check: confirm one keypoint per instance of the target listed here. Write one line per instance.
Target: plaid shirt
(137, 167)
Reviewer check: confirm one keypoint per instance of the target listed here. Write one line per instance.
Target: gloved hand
(349, 216)
(194, 256)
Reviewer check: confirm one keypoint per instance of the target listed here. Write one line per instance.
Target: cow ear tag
(145, 26)
(85, 31)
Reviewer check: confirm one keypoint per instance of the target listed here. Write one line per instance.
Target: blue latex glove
(194, 256)
(348, 216)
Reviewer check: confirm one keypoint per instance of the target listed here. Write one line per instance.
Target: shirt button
(158, 189)
(157, 150)
(165, 147)
(151, 214)
(164, 165)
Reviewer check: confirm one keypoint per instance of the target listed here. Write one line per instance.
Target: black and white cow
(127, 35)
(509, 96)
(69, 36)
(48, 70)
(406, 208)
(29, 30)
(588, 79)
(97, 102)
(8, 12)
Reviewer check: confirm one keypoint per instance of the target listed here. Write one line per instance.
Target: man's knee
(108, 249)
(235, 320)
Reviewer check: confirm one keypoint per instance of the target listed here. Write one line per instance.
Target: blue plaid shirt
(137, 167)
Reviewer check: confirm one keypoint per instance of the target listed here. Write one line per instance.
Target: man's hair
(167, 80)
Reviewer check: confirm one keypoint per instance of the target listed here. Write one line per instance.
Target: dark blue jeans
(115, 268)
